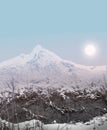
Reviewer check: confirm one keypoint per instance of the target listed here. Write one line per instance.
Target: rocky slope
(53, 107)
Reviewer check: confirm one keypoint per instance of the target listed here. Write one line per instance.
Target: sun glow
(90, 50)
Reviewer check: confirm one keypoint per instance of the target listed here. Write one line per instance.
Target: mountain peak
(41, 53)
(36, 49)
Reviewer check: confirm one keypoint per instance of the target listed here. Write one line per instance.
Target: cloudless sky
(62, 26)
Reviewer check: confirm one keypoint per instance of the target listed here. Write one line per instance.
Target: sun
(90, 50)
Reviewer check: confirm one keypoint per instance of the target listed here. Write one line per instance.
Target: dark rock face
(53, 106)
(4, 128)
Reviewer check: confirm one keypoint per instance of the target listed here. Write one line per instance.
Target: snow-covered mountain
(44, 69)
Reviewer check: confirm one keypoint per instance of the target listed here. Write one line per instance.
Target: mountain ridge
(43, 68)
(43, 86)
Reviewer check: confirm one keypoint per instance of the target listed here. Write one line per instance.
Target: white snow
(98, 123)
(43, 68)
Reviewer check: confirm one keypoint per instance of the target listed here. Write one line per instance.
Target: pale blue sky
(62, 26)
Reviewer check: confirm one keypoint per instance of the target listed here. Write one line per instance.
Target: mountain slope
(44, 69)
(45, 87)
